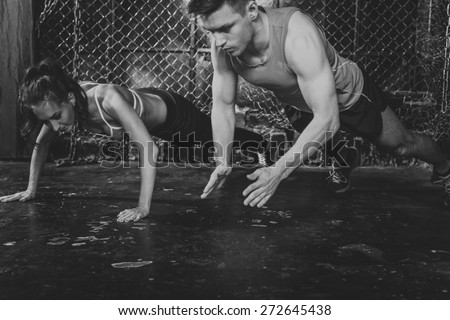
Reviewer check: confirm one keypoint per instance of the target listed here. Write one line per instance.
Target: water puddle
(127, 265)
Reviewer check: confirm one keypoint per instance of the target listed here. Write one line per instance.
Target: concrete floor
(388, 238)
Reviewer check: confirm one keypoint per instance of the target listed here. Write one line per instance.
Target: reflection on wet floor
(388, 238)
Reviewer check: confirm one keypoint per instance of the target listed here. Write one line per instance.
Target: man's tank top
(276, 75)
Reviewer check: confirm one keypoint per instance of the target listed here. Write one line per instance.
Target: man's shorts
(363, 119)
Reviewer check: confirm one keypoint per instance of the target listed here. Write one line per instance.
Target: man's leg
(253, 147)
(341, 164)
(338, 180)
(397, 140)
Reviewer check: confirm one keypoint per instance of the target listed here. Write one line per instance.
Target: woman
(48, 95)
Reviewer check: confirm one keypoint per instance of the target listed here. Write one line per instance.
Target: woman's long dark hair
(47, 81)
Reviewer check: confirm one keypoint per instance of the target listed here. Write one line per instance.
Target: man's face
(230, 30)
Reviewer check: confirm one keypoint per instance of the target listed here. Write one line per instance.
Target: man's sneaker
(439, 179)
(255, 160)
(444, 180)
(264, 159)
(339, 177)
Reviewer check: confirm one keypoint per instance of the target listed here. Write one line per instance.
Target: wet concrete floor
(388, 238)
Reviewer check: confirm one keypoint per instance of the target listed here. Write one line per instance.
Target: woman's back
(147, 103)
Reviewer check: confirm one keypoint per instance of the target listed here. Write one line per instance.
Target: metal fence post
(357, 30)
(110, 42)
(76, 35)
(192, 59)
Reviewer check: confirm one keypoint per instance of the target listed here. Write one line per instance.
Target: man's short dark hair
(206, 7)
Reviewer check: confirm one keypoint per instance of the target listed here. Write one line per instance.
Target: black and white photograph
(225, 150)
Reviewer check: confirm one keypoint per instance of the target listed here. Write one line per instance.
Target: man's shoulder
(303, 38)
(281, 9)
(282, 13)
(301, 24)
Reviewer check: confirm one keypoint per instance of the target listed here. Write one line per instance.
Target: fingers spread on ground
(220, 183)
(9, 198)
(122, 213)
(264, 200)
(256, 200)
(251, 188)
(123, 216)
(210, 185)
(252, 197)
(206, 193)
(253, 175)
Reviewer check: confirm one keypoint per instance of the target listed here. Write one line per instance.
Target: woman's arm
(118, 107)
(38, 157)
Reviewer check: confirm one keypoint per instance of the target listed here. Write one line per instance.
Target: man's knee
(405, 147)
(401, 150)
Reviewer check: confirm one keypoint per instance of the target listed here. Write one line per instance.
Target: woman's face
(60, 117)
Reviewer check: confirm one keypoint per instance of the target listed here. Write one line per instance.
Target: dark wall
(16, 39)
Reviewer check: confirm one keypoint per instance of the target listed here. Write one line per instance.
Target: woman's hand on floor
(134, 214)
(19, 196)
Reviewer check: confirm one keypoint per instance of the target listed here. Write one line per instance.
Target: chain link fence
(404, 45)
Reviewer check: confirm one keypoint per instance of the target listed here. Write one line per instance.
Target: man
(342, 158)
(285, 51)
